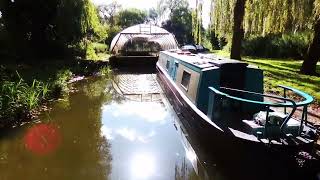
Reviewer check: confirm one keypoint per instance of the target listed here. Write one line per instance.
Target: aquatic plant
(106, 71)
(18, 97)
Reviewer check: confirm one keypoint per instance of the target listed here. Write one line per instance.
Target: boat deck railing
(286, 102)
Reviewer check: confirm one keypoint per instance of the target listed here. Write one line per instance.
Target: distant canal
(97, 133)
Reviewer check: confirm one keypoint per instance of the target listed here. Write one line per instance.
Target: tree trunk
(309, 64)
(238, 31)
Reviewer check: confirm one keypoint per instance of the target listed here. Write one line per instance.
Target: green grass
(284, 72)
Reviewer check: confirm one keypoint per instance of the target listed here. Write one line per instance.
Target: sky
(147, 4)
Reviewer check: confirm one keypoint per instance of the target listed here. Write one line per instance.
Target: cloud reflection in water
(128, 120)
(142, 166)
(148, 111)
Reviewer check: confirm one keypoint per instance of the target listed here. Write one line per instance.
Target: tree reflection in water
(84, 153)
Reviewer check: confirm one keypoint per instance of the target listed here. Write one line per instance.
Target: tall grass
(18, 98)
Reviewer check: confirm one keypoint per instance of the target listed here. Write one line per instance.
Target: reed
(18, 97)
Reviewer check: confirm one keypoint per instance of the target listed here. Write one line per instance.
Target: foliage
(153, 16)
(21, 97)
(100, 47)
(18, 97)
(215, 41)
(108, 12)
(263, 17)
(59, 85)
(112, 32)
(273, 17)
(277, 16)
(180, 24)
(129, 17)
(90, 52)
(222, 17)
(48, 28)
(197, 23)
(278, 46)
(106, 71)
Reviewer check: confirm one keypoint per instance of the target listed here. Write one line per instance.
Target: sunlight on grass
(285, 72)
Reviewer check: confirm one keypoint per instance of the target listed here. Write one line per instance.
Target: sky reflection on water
(144, 143)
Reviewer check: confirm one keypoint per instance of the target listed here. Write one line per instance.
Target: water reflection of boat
(223, 100)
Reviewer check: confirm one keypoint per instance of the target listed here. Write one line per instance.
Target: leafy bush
(277, 46)
(99, 47)
(112, 32)
(217, 42)
(60, 84)
(90, 52)
(106, 71)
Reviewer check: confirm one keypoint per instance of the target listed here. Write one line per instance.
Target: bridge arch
(142, 40)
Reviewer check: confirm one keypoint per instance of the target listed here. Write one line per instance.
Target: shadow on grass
(273, 66)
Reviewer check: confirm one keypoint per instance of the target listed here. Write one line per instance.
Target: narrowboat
(223, 102)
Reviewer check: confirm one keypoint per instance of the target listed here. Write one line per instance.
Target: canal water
(107, 130)
(97, 133)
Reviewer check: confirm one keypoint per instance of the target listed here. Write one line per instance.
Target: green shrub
(60, 84)
(106, 71)
(99, 47)
(90, 52)
(112, 32)
(277, 46)
(217, 43)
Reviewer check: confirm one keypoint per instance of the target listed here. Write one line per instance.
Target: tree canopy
(269, 17)
(180, 21)
(129, 17)
(43, 28)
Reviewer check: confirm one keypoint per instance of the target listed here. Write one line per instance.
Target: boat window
(185, 80)
(168, 64)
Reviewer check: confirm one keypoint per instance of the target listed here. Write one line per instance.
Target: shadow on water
(96, 133)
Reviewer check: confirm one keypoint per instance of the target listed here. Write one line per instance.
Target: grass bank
(26, 87)
(285, 72)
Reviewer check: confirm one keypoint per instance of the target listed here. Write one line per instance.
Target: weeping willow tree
(197, 22)
(309, 65)
(222, 16)
(278, 16)
(227, 20)
(282, 16)
(268, 17)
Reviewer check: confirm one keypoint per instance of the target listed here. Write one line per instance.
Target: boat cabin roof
(204, 61)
